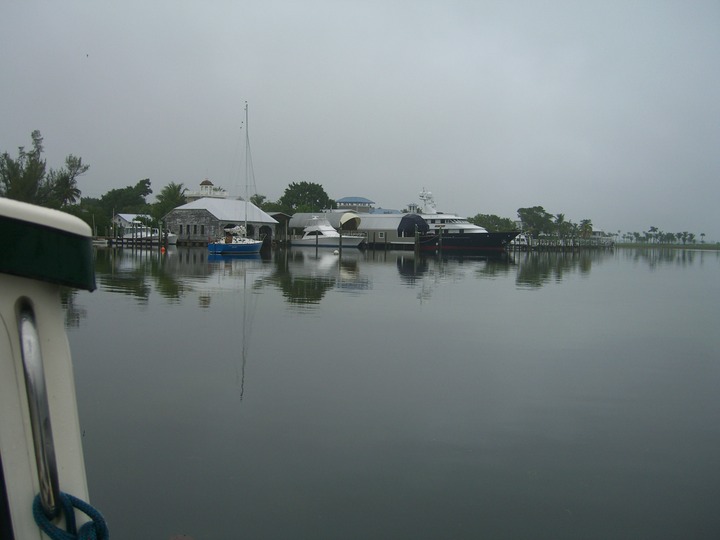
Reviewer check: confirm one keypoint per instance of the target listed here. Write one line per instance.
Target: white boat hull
(325, 241)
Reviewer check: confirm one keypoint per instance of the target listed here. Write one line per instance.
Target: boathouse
(203, 220)
(392, 230)
(341, 220)
(128, 221)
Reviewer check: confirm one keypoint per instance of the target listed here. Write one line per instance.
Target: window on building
(180, 229)
(202, 229)
(381, 235)
(194, 229)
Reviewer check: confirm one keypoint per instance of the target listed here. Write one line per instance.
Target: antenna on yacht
(428, 202)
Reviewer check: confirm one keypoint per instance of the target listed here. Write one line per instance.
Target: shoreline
(694, 247)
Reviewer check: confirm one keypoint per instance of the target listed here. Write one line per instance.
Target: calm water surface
(376, 395)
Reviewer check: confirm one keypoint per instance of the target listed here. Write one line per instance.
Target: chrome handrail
(39, 410)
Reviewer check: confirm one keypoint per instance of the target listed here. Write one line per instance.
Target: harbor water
(377, 395)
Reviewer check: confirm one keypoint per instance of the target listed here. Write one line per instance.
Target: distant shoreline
(645, 245)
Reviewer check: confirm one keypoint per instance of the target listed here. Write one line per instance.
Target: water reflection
(536, 269)
(427, 272)
(411, 268)
(338, 374)
(173, 274)
(657, 257)
(73, 312)
(305, 276)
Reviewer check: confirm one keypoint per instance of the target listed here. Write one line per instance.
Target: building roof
(337, 218)
(354, 200)
(132, 217)
(379, 222)
(229, 210)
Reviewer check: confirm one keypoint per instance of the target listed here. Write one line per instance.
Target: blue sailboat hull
(220, 248)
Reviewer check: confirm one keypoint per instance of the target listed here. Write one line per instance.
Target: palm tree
(586, 228)
(258, 200)
(63, 183)
(169, 198)
(560, 224)
(702, 237)
(652, 233)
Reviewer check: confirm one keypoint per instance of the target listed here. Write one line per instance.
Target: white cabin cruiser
(141, 232)
(43, 488)
(318, 232)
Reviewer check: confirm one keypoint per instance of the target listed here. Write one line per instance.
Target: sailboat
(235, 240)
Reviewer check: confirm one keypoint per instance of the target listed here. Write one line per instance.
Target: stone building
(203, 220)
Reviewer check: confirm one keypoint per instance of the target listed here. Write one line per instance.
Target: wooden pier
(557, 244)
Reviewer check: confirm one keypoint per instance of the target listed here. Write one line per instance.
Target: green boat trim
(46, 245)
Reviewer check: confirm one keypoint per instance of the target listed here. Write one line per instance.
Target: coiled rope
(95, 529)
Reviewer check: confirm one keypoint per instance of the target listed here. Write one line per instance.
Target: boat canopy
(47, 245)
(410, 222)
(347, 221)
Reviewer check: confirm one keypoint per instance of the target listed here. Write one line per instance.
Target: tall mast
(247, 163)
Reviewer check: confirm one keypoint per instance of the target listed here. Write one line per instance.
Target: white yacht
(318, 232)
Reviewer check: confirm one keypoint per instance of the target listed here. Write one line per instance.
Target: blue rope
(95, 529)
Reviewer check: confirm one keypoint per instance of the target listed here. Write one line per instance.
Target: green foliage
(492, 222)
(27, 178)
(91, 212)
(266, 206)
(272, 207)
(63, 182)
(130, 199)
(564, 228)
(170, 197)
(536, 220)
(258, 200)
(21, 178)
(98, 213)
(305, 197)
(586, 228)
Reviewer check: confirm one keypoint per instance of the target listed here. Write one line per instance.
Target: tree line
(655, 236)
(27, 178)
(536, 222)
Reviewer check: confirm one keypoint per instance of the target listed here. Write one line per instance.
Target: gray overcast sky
(606, 110)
